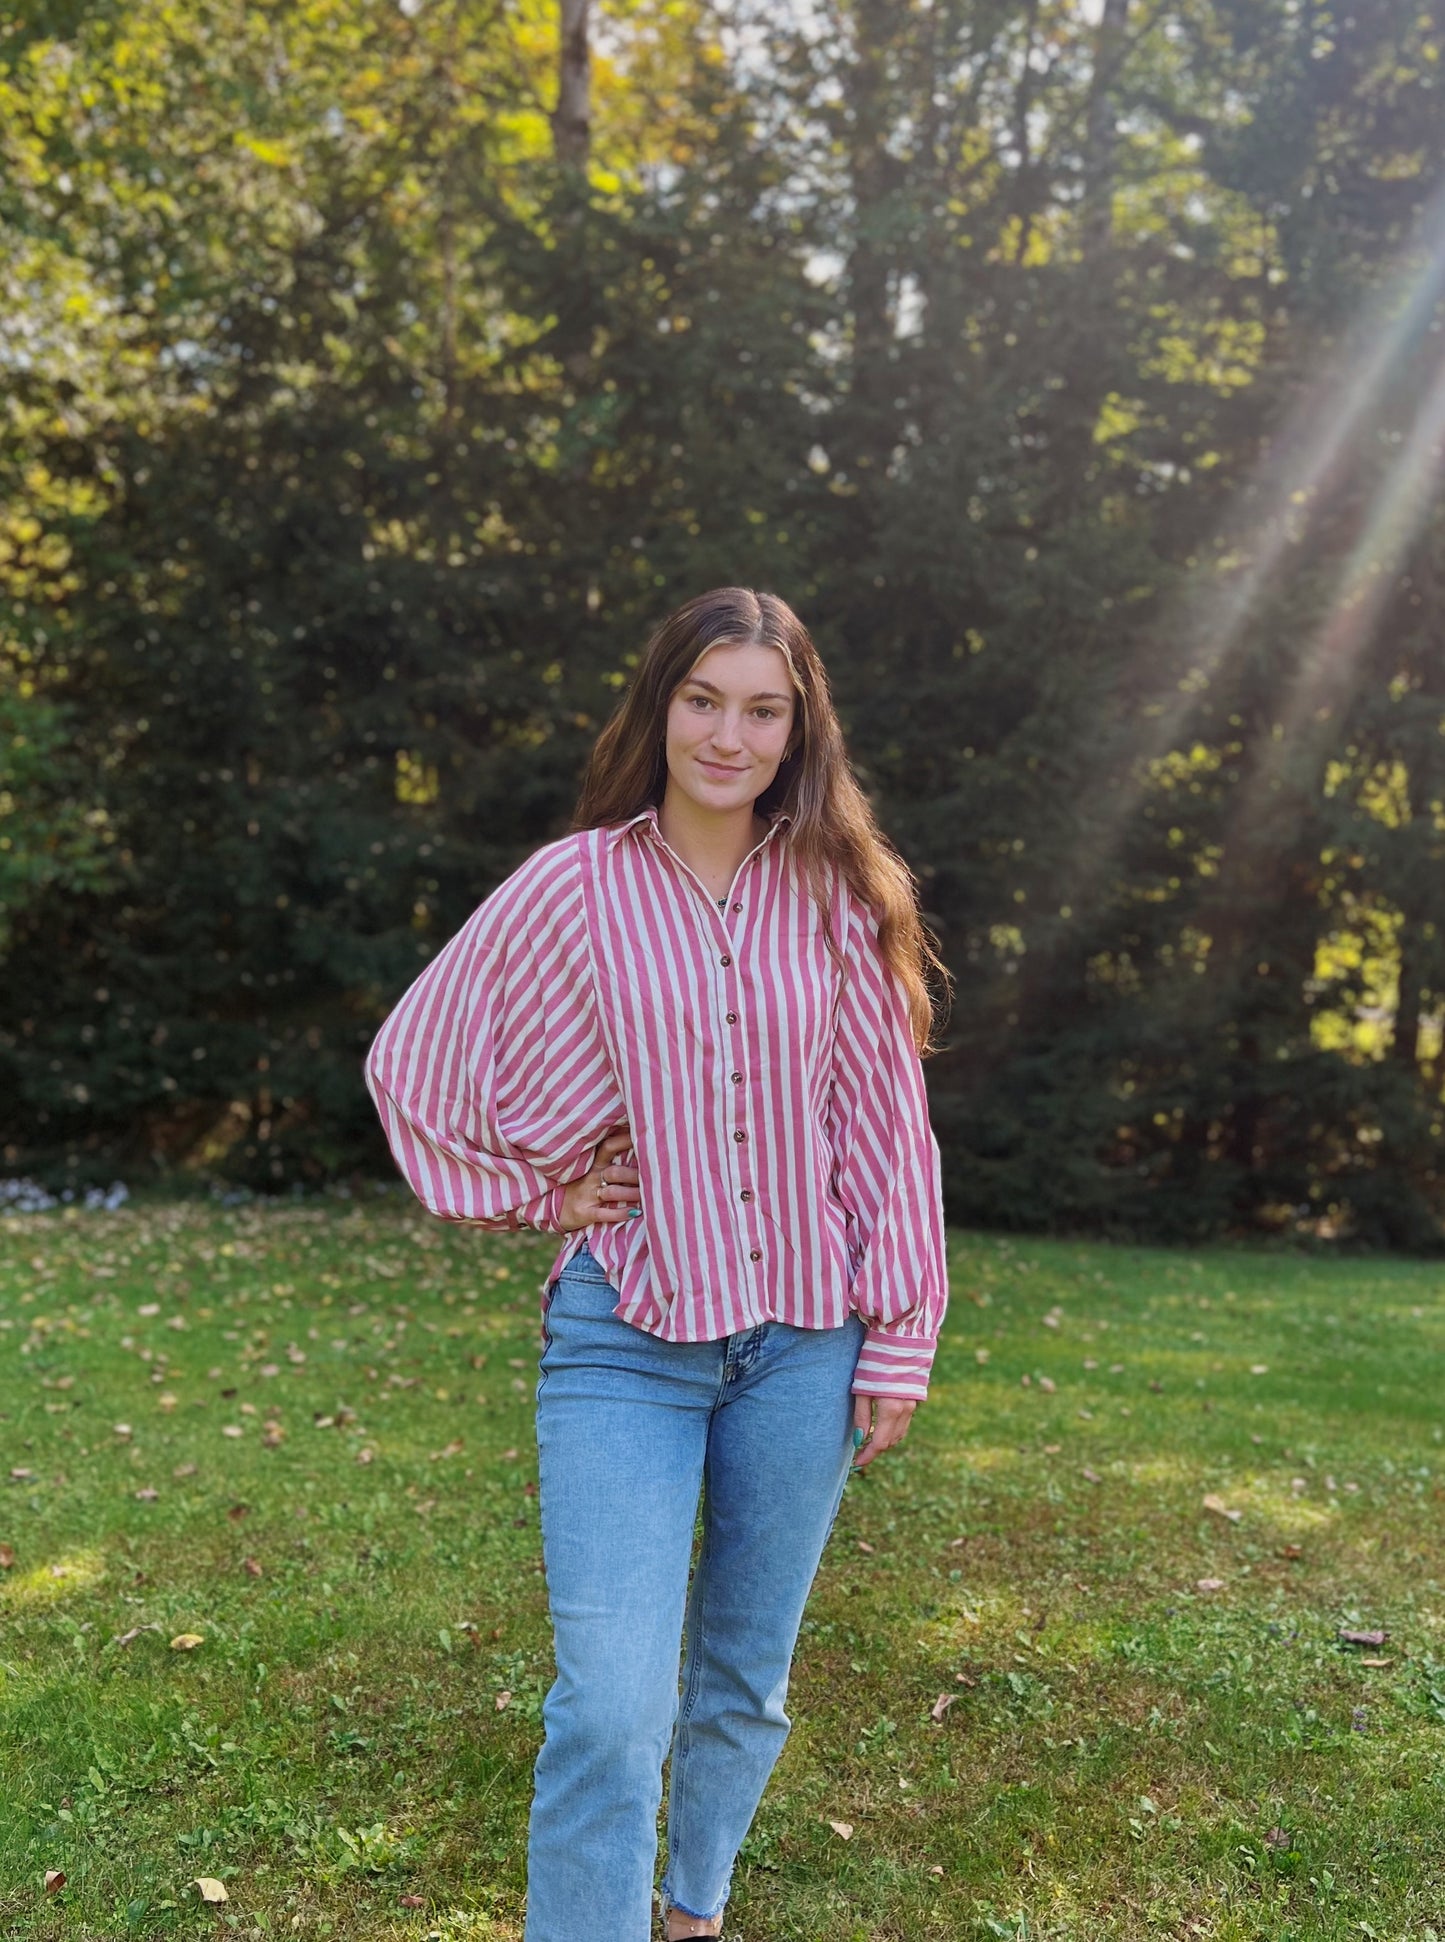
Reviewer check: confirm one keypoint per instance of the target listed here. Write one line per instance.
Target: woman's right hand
(607, 1192)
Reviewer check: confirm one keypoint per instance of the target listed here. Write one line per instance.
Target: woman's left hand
(884, 1421)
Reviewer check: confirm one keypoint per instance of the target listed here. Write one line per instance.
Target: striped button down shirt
(776, 1107)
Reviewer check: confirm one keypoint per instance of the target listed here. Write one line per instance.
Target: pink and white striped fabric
(777, 1109)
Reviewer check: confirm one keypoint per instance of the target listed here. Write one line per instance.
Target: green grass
(1124, 1755)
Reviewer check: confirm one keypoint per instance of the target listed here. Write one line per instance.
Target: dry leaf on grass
(864, 1545)
(1217, 1507)
(54, 1878)
(129, 1638)
(1362, 1638)
(1209, 1584)
(502, 1701)
(211, 1889)
(1293, 1551)
(1048, 1385)
(251, 1568)
(843, 1829)
(412, 1901)
(941, 1705)
(7, 1557)
(1375, 1664)
(1090, 1476)
(187, 1641)
(454, 1448)
(147, 1496)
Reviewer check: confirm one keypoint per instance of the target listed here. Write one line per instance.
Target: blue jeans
(631, 1430)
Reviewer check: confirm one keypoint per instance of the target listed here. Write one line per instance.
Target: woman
(687, 1037)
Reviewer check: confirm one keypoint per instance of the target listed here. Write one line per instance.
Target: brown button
(737, 906)
(737, 1078)
(732, 1018)
(746, 1194)
(739, 1136)
(756, 1255)
(724, 960)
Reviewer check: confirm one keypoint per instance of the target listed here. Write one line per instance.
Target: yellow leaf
(211, 1889)
(843, 1829)
(186, 1641)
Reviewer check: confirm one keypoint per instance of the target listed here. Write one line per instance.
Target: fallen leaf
(941, 1705)
(183, 1470)
(1026, 1382)
(272, 1437)
(1051, 1321)
(1209, 1584)
(935, 1869)
(1362, 1638)
(21, 1475)
(413, 1901)
(149, 1308)
(865, 1546)
(1090, 1476)
(980, 1356)
(251, 1568)
(843, 1829)
(1277, 1839)
(1048, 1385)
(365, 1456)
(238, 1511)
(166, 1400)
(147, 1496)
(1217, 1507)
(129, 1638)
(502, 1701)
(7, 1557)
(211, 1889)
(323, 1422)
(232, 1429)
(54, 1878)
(1052, 1449)
(1293, 1551)
(186, 1641)
(1374, 1664)
(1259, 1368)
(454, 1448)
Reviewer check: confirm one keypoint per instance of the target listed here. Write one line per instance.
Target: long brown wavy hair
(833, 823)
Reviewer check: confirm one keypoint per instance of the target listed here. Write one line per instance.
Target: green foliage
(1068, 377)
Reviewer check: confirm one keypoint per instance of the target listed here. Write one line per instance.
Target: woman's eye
(766, 714)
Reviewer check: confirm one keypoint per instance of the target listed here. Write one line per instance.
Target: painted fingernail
(857, 1439)
(634, 1213)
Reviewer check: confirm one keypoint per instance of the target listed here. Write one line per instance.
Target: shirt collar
(647, 815)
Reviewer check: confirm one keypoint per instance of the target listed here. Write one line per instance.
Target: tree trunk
(1405, 1044)
(572, 117)
(1094, 353)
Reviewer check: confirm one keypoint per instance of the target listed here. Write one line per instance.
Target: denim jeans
(631, 1430)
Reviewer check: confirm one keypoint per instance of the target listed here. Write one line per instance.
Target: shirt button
(724, 960)
(737, 906)
(737, 1078)
(732, 1018)
(739, 1136)
(746, 1194)
(756, 1254)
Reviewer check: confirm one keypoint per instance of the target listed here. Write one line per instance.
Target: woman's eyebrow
(694, 682)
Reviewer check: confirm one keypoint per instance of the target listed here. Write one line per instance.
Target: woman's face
(728, 726)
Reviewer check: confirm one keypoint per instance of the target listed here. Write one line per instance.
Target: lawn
(272, 1612)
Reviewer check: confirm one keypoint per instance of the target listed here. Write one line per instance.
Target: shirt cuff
(894, 1365)
(544, 1214)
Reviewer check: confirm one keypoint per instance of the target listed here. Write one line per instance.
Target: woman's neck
(711, 845)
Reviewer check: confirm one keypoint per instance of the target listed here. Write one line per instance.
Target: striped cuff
(894, 1365)
(544, 1214)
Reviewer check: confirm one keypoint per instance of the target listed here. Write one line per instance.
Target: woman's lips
(717, 768)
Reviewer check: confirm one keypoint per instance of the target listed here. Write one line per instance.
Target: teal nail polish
(857, 1439)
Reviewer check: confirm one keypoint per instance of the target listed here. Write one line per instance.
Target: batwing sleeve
(886, 1172)
(491, 1076)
